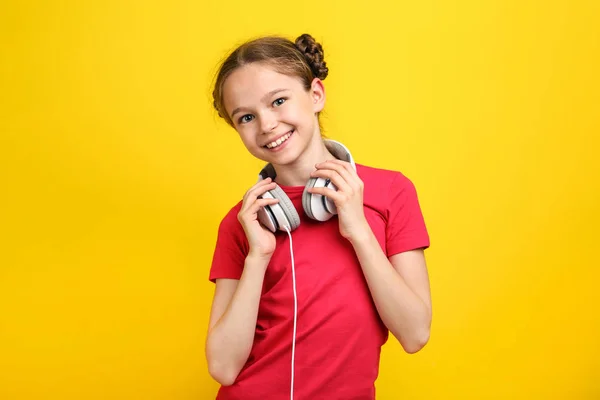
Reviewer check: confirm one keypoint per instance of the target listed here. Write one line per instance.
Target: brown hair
(302, 58)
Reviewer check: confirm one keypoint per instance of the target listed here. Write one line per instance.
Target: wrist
(362, 235)
(254, 260)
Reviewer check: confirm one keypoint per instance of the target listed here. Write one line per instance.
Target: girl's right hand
(261, 240)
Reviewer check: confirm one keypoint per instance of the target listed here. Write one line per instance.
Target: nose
(268, 122)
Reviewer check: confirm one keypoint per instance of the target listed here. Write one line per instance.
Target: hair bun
(313, 52)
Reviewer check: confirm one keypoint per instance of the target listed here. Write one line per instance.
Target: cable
(295, 312)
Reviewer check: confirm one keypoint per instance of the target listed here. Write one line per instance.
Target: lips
(274, 144)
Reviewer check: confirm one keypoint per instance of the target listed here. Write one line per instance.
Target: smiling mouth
(278, 142)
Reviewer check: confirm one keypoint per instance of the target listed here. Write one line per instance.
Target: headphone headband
(283, 216)
(337, 149)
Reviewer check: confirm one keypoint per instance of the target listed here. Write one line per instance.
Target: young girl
(322, 257)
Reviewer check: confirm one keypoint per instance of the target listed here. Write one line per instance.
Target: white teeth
(279, 141)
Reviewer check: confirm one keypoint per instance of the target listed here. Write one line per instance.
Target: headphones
(283, 215)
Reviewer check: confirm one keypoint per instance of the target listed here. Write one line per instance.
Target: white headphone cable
(295, 312)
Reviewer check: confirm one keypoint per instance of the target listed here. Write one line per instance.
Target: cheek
(299, 115)
(248, 136)
(245, 136)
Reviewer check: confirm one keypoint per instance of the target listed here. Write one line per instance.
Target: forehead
(248, 84)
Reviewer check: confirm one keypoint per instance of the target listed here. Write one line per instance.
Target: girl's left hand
(348, 198)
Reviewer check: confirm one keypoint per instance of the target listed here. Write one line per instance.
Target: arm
(235, 305)
(400, 290)
(233, 321)
(399, 285)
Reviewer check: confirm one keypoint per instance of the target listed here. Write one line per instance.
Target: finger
(253, 208)
(351, 176)
(334, 176)
(259, 184)
(346, 170)
(344, 164)
(264, 202)
(339, 166)
(258, 204)
(261, 189)
(337, 196)
(255, 192)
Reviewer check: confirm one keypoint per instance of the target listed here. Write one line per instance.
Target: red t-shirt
(339, 332)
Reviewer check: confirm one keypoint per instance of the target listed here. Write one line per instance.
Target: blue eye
(246, 118)
(279, 102)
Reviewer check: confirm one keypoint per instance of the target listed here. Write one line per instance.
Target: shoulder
(230, 221)
(388, 192)
(231, 247)
(382, 180)
(230, 233)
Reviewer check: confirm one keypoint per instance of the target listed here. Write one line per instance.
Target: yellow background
(116, 171)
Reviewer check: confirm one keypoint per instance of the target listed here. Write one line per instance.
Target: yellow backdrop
(116, 172)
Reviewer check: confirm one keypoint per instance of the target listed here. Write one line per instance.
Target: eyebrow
(266, 96)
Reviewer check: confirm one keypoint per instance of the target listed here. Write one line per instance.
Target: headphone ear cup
(266, 216)
(306, 197)
(316, 206)
(281, 215)
(330, 204)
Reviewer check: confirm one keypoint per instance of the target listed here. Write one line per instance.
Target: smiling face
(275, 116)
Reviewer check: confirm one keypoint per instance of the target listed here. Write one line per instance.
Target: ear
(317, 95)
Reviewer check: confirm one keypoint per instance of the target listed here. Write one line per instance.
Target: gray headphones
(318, 207)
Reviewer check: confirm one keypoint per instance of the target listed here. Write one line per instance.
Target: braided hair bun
(313, 52)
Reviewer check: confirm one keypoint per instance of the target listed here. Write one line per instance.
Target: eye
(246, 118)
(279, 101)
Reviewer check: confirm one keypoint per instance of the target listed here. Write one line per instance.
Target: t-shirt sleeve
(231, 249)
(406, 228)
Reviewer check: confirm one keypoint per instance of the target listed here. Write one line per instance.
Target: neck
(298, 173)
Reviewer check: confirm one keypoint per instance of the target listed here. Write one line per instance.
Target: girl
(307, 319)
